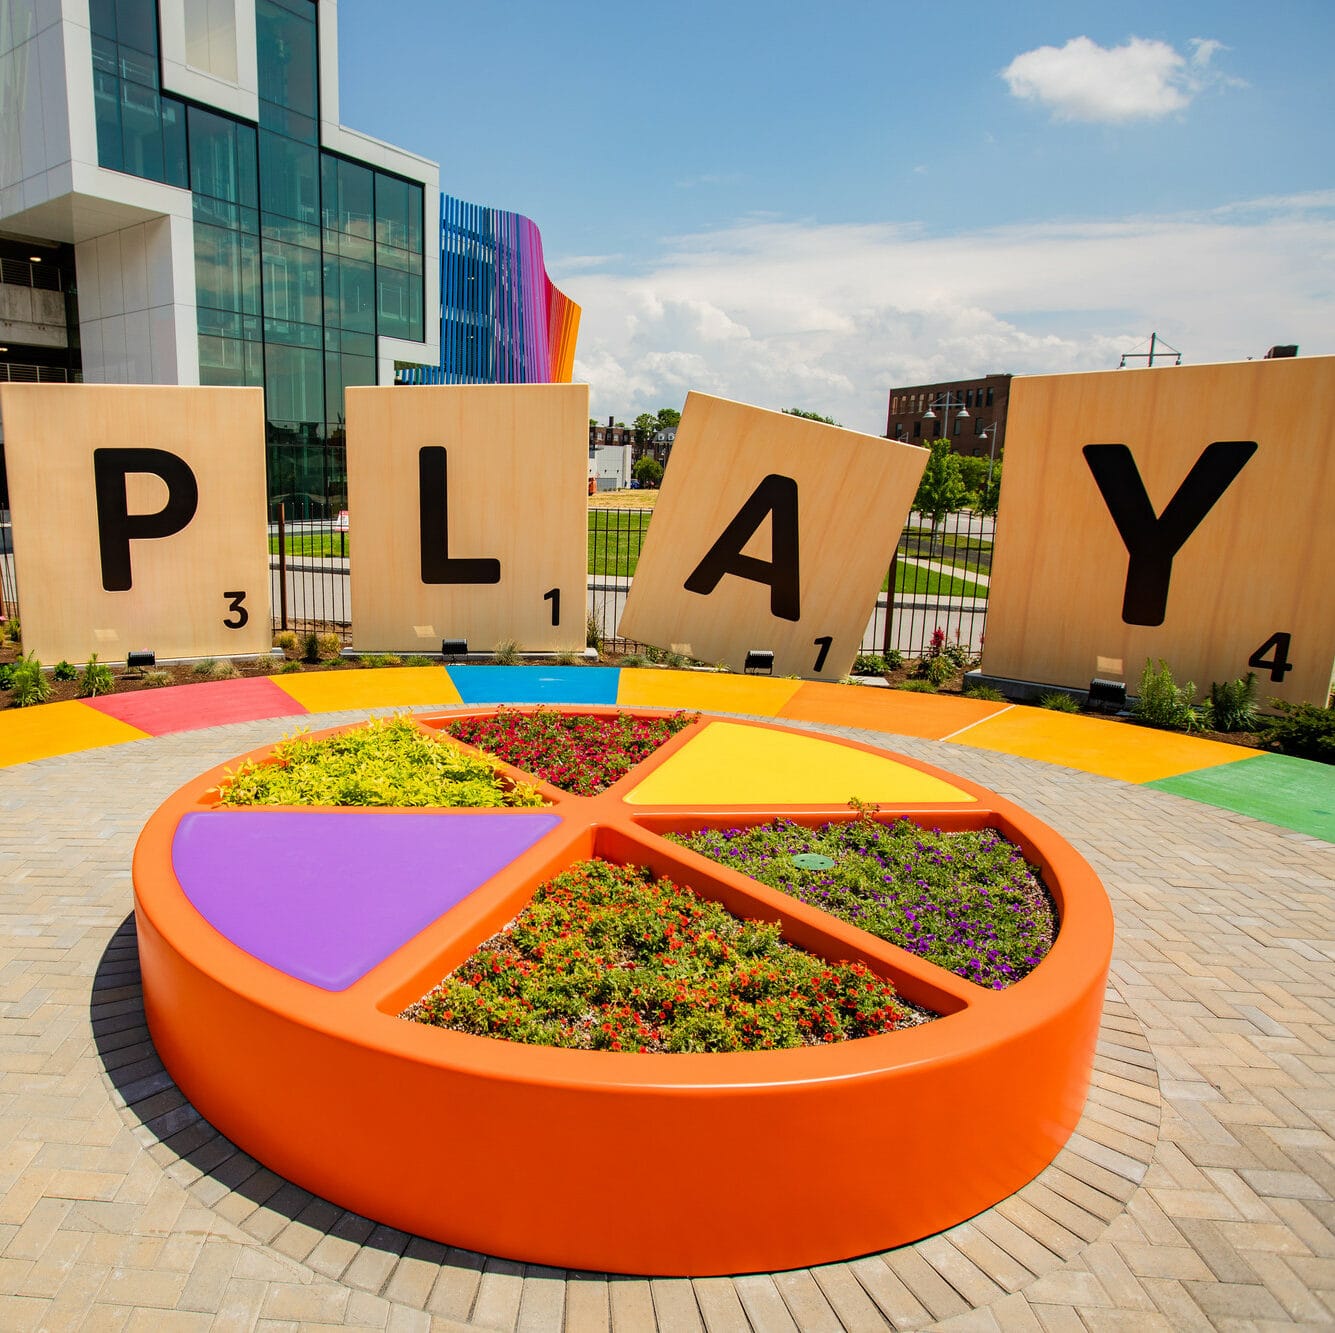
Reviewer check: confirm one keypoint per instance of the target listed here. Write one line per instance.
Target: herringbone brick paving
(1197, 1191)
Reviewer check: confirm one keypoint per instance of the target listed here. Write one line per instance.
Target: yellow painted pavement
(729, 763)
(1097, 745)
(48, 729)
(378, 687)
(706, 690)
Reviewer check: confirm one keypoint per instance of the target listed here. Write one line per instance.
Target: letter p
(116, 526)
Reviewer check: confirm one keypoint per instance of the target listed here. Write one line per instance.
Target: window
(222, 159)
(139, 131)
(917, 429)
(989, 398)
(290, 178)
(285, 47)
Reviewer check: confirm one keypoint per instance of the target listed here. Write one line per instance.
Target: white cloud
(828, 318)
(1142, 80)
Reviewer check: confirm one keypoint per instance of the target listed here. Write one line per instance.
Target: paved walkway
(1197, 1191)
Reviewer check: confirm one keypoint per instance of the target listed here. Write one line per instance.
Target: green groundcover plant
(605, 957)
(583, 753)
(388, 762)
(968, 902)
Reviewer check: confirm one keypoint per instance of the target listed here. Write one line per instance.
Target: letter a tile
(771, 533)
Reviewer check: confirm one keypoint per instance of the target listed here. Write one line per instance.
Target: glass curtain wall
(301, 257)
(139, 131)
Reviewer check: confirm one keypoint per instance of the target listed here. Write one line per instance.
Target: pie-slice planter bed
(279, 947)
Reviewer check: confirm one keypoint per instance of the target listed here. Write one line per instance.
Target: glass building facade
(502, 319)
(303, 257)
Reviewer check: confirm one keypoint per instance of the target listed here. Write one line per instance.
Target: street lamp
(946, 402)
(990, 432)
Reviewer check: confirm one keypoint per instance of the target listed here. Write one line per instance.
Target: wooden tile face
(467, 516)
(139, 519)
(1219, 477)
(771, 532)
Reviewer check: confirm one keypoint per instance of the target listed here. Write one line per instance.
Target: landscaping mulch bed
(582, 753)
(386, 762)
(968, 902)
(605, 957)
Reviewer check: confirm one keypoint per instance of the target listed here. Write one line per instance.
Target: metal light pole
(990, 431)
(946, 401)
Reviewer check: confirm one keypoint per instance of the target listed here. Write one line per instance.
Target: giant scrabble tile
(139, 519)
(467, 509)
(1181, 513)
(771, 532)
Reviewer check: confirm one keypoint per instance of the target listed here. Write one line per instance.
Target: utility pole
(1149, 357)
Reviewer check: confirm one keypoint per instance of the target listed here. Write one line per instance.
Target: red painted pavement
(190, 707)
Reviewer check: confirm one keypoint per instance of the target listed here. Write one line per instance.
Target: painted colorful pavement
(1291, 793)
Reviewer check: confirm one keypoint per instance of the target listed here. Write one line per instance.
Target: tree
(810, 416)
(645, 426)
(941, 490)
(648, 472)
(973, 473)
(991, 493)
(668, 418)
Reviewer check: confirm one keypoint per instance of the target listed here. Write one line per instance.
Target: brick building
(963, 411)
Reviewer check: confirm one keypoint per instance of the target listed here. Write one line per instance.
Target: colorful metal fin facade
(502, 320)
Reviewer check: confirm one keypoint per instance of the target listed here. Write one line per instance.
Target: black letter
(1152, 542)
(116, 526)
(776, 498)
(433, 508)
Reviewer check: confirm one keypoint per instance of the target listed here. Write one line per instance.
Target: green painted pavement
(1293, 793)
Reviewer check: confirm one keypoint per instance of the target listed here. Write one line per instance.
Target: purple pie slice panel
(326, 896)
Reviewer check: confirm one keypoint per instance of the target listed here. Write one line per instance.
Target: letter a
(775, 498)
(433, 522)
(1152, 542)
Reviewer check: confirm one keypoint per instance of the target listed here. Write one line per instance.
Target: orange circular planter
(278, 948)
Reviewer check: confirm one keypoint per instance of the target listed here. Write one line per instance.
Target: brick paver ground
(1197, 1191)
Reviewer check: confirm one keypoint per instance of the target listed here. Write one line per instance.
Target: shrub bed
(385, 763)
(968, 902)
(605, 957)
(582, 753)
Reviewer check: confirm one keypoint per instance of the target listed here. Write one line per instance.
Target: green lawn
(914, 579)
(615, 538)
(319, 545)
(973, 554)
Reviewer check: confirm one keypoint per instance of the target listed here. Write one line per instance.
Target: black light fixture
(138, 659)
(1107, 694)
(454, 648)
(759, 661)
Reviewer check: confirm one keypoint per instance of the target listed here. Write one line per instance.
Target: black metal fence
(940, 578)
(940, 575)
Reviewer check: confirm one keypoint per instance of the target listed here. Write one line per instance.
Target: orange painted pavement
(47, 729)
(641, 687)
(931, 716)
(1097, 745)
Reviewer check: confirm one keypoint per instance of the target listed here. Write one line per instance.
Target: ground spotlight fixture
(759, 661)
(454, 648)
(1109, 694)
(140, 658)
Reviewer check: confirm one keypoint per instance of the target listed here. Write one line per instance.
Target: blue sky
(802, 205)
